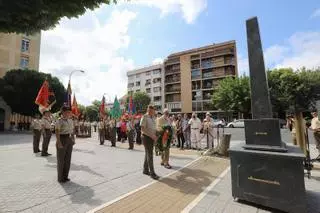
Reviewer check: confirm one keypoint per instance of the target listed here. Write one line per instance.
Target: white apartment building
(150, 80)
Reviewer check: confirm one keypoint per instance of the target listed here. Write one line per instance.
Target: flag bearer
(65, 142)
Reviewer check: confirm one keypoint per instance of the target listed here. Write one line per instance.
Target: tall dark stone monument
(264, 170)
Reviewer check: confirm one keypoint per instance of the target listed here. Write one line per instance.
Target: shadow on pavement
(83, 194)
(190, 181)
(74, 167)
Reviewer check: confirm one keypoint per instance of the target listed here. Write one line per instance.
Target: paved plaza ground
(105, 179)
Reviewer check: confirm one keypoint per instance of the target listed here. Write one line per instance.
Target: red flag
(102, 108)
(74, 107)
(43, 95)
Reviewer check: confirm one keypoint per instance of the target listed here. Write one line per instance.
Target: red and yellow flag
(74, 107)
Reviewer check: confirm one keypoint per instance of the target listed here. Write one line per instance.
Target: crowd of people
(156, 131)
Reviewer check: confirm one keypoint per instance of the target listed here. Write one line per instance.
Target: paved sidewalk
(219, 199)
(174, 193)
(98, 175)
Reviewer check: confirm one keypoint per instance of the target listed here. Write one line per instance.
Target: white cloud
(190, 9)
(243, 65)
(157, 61)
(275, 54)
(302, 51)
(316, 13)
(92, 45)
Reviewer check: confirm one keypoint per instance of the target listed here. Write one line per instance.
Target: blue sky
(154, 36)
(111, 40)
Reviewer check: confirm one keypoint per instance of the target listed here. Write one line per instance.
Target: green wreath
(164, 145)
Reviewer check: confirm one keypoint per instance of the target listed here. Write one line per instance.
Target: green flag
(116, 111)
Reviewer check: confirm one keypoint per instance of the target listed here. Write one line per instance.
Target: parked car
(219, 123)
(236, 124)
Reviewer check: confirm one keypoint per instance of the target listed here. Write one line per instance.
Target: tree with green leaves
(21, 88)
(297, 92)
(233, 94)
(294, 91)
(21, 16)
(141, 101)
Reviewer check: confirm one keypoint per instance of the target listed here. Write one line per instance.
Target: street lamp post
(74, 72)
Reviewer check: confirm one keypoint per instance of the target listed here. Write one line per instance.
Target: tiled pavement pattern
(220, 200)
(98, 174)
(173, 193)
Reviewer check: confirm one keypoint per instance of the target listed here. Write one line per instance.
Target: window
(24, 62)
(156, 89)
(157, 80)
(25, 44)
(130, 77)
(158, 71)
(137, 75)
(138, 83)
(130, 85)
(157, 98)
(148, 82)
(148, 73)
(148, 90)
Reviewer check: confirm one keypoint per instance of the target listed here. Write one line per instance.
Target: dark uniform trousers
(46, 139)
(36, 139)
(64, 157)
(101, 136)
(148, 159)
(130, 139)
(113, 135)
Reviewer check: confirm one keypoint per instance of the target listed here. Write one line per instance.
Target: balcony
(208, 75)
(195, 57)
(207, 54)
(197, 106)
(158, 84)
(173, 61)
(156, 75)
(170, 71)
(157, 103)
(228, 51)
(207, 65)
(172, 80)
(196, 87)
(173, 90)
(207, 96)
(174, 107)
(208, 106)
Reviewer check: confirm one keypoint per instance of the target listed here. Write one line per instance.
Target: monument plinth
(265, 171)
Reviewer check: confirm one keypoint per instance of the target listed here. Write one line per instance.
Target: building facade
(17, 51)
(150, 80)
(191, 76)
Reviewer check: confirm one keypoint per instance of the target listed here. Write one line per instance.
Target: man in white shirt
(315, 126)
(195, 125)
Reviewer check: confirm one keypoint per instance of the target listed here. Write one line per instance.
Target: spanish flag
(74, 107)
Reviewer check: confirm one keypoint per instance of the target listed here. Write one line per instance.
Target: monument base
(271, 179)
(282, 148)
